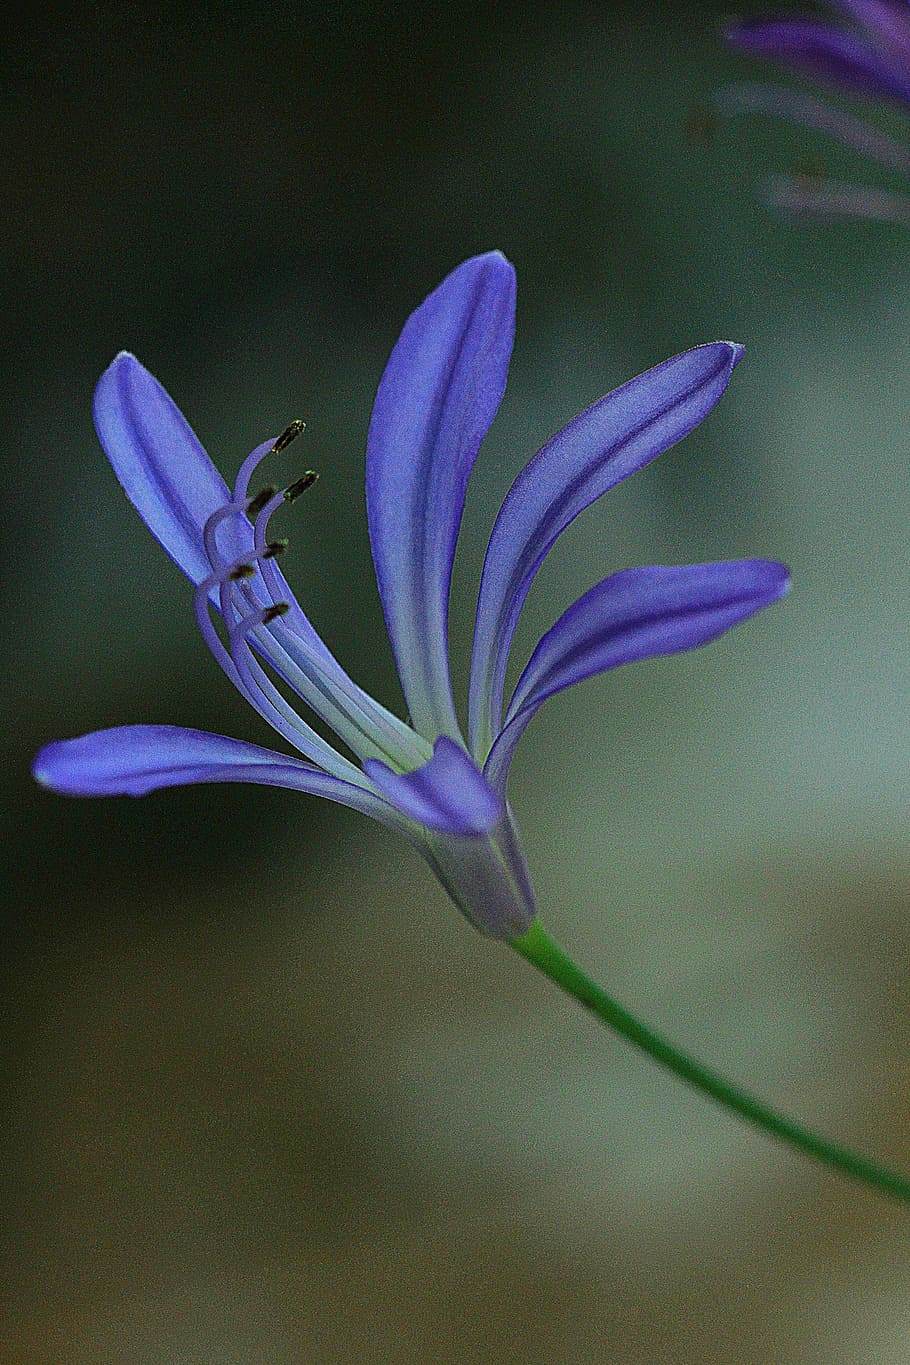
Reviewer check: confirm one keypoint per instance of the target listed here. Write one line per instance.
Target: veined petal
(634, 614)
(173, 484)
(162, 466)
(436, 400)
(817, 49)
(448, 794)
(132, 760)
(486, 877)
(605, 444)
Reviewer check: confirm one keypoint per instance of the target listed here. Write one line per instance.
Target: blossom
(869, 56)
(442, 787)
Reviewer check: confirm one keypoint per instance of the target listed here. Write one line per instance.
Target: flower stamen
(294, 490)
(290, 433)
(273, 612)
(255, 458)
(255, 504)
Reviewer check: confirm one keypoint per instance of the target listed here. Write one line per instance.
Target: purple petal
(804, 110)
(611, 440)
(487, 878)
(833, 201)
(635, 614)
(161, 464)
(135, 759)
(448, 794)
(436, 400)
(174, 486)
(816, 49)
(886, 20)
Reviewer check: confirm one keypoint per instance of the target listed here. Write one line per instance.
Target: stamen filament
(276, 709)
(323, 684)
(247, 675)
(294, 649)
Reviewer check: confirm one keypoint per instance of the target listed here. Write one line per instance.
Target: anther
(256, 504)
(242, 571)
(289, 434)
(292, 493)
(271, 613)
(275, 547)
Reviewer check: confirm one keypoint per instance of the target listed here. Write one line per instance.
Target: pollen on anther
(271, 613)
(256, 503)
(275, 547)
(301, 485)
(242, 571)
(290, 433)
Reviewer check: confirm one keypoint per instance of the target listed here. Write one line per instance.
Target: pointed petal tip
(42, 766)
(437, 397)
(495, 258)
(780, 577)
(61, 767)
(492, 263)
(159, 461)
(732, 350)
(122, 362)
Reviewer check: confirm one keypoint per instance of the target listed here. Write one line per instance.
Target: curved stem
(547, 956)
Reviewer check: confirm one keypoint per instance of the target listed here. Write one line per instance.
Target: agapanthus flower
(441, 786)
(866, 53)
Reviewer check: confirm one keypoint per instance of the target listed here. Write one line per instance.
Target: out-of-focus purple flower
(425, 779)
(866, 53)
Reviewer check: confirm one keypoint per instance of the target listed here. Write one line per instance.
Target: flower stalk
(544, 953)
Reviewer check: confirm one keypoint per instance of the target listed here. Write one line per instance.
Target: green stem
(547, 956)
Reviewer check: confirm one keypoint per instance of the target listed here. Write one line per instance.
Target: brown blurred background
(267, 1098)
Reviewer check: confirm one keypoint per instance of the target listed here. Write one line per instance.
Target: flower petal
(635, 614)
(132, 760)
(435, 402)
(448, 794)
(486, 877)
(805, 111)
(816, 49)
(886, 20)
(161, 464)
(611, 440)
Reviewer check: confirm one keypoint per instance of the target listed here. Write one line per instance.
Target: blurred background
(266, 1097)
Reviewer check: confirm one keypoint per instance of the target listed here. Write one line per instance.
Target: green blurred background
(267, 1097)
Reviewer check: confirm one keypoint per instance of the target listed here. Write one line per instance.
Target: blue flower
(436, 400)
(868, 56)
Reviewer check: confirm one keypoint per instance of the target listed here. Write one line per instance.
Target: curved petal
(635, 614)
(161, 465)
(887, 20)
(816, 49)
(448, 794)
(611, 440)
(806, 111)
(833, 201)
(176, 489)
(435, 402)
(132, 760)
